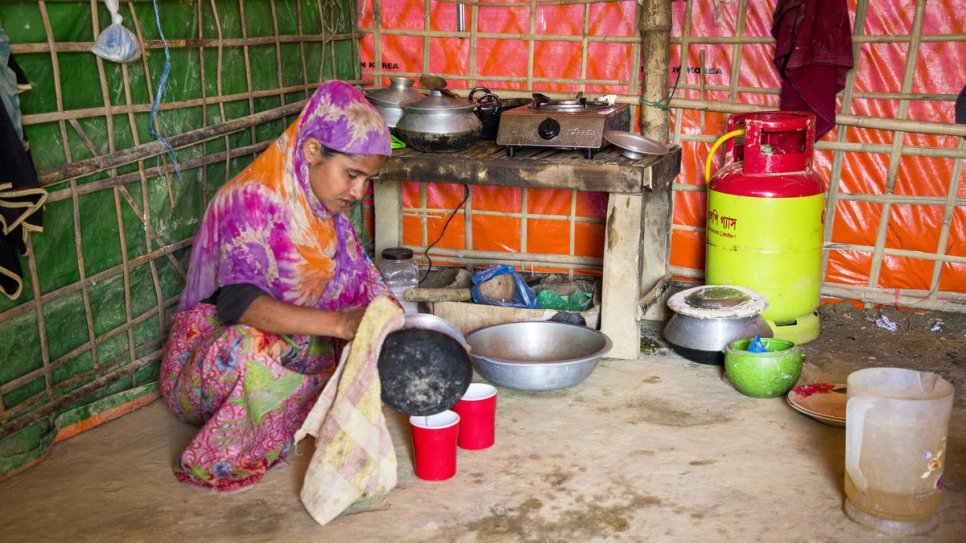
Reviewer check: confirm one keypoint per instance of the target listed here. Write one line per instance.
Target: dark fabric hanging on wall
(21, 197)
(813, 52)
(21, 205)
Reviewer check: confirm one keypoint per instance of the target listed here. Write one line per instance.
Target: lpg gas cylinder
(765, 212)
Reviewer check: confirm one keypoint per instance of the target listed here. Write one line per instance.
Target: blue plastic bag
(523, 296)
(757, 346)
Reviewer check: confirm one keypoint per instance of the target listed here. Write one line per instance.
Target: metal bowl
(537, 355)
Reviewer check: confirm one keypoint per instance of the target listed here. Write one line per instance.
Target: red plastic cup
(477, 411)
(434, 445)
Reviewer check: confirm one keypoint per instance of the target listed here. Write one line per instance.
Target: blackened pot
(422, 371)
(439, 124)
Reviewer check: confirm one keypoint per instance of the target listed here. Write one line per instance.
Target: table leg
(655, 253)
(620, 311)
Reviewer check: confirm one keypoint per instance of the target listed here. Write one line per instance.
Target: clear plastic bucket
(895, 448)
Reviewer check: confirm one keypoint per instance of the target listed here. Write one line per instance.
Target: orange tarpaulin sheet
(855, 224)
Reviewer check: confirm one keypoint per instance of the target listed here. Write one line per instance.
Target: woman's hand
(350, 319)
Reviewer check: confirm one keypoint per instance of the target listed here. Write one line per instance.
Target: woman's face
(338, 180)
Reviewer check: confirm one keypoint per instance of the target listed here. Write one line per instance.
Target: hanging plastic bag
(116, 43)
(501, 285)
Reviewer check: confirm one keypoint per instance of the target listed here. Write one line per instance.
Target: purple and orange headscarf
(342, 119)
(267, 228)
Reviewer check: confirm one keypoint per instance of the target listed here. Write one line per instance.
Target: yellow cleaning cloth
(354, 458)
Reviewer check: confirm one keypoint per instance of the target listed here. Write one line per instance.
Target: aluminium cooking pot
(439, 124)
(389, 101)
(708, 318)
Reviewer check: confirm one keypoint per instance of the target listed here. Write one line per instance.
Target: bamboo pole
(655, 29)
(895, 154)
(507, 36)
(11, 425)
(91, 280)
(695, 40)
(879, 123)
(953, 302)
(527, 3)
(155, 148)
(189, 164)
(149, 45)
(69, 356)
(473, 256)
(913, 299)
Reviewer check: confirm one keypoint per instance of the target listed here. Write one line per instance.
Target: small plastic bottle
(400, 273)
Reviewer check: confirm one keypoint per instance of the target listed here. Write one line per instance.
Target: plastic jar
(400, 273)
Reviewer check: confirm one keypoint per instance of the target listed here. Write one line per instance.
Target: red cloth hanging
(813, 52)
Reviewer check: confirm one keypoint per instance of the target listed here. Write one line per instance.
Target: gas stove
(574, 124)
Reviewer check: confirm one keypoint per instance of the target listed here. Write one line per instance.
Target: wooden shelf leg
(620, 291)
(655, 252)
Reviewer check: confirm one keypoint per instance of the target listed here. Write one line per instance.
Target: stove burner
(543, 103)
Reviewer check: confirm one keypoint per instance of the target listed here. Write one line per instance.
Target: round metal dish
(635, 146)
(537, 355)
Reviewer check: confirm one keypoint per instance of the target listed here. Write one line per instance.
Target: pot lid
(718, 302)
(400, 92)
(437, 101)
(635, 146)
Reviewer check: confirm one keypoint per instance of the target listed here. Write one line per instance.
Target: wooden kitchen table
(638, 229)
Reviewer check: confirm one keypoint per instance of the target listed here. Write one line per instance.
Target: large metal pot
(389, 101)
(438, 123)
(707, 318)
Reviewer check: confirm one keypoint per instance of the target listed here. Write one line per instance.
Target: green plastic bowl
(763, 375)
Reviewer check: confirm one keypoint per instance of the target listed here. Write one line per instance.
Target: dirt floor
(926, 341)
(657, 449)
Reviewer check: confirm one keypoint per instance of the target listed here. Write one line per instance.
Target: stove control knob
(549, 128)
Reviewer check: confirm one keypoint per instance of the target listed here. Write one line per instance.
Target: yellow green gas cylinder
(765, 211)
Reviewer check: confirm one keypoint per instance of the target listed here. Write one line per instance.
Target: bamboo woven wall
(513, 48)
(894, 229)
(895, 239)
(102, 279)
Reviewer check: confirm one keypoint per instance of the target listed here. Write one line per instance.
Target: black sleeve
(231, 301)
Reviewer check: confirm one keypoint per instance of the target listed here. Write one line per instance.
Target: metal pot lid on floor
(718, 302)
